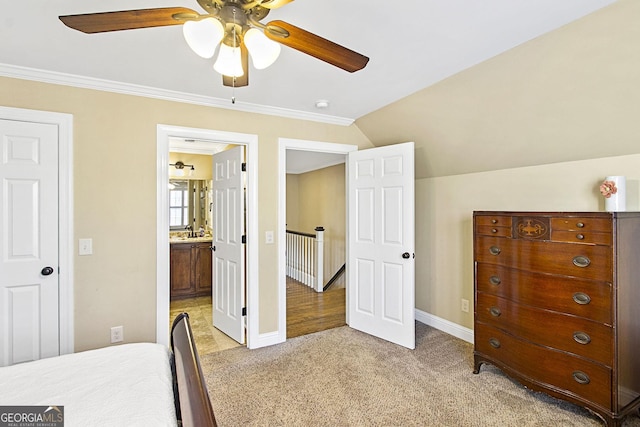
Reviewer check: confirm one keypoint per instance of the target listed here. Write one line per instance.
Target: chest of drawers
(557, 304)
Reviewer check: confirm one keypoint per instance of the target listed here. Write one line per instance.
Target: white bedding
(126, 385)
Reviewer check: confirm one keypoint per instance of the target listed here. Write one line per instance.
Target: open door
(229, 250)
(381, 242)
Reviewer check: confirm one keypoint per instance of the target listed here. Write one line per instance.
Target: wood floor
(308, 311)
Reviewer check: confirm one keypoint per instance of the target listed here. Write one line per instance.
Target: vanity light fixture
(179, 165)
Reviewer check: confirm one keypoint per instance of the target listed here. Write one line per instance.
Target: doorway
(191, 242)
(309, 147)
(380, 238)
(201, 141)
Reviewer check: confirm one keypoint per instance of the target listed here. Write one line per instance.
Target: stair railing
(305, 257)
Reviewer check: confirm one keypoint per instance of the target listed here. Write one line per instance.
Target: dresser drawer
(588, 237)
(576, 335)
(493, 220)
(603, 225)
(557, 370)
(492, 230)
(585, 261)
(581, 297)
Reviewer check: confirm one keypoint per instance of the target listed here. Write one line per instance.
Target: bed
(140, 384)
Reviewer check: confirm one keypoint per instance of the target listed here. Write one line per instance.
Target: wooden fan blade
(244, 79)
(274, 4)
(91, 23)
(316, 46)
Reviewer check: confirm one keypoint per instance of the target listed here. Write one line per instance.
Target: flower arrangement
(608, 188)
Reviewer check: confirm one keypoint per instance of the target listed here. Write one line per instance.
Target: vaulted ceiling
(477, 85)
(568, 95)
(411, 45)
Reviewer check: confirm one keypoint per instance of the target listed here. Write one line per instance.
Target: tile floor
(208, 339)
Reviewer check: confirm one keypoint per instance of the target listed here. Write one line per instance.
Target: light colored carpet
(342, 377)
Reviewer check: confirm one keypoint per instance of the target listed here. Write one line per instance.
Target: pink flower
(607, 188)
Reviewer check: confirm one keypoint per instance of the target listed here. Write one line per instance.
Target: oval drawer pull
(581, 377)
(494, 230)
(494, 221)
(580, 224)
(581, 261)
(581, 298)
(494, 250)
(495, 311)
(494, 342)
(495, 280)
(580, 236)
(581, 337)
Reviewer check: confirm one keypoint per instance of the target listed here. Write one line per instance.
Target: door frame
(302, 145)
(64, 122)
(205, 137)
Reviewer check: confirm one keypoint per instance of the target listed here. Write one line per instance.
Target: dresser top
(562, 214)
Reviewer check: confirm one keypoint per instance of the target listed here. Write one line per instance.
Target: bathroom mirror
(189, 202)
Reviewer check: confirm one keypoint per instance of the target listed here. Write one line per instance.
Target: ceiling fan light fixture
(203, 36)
(263, 51)
(229, 62)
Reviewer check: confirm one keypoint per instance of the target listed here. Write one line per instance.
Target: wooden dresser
(557, 304)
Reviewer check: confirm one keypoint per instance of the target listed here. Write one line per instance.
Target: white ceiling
(412, 44)
(299, 161)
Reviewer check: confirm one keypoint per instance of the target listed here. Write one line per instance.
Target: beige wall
(115, 135)
(320, 201)
(445, 205)
(292, 208)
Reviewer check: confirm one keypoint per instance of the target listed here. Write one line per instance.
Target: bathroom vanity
(190, 267)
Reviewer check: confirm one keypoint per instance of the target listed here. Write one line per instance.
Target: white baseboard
(466, 334)
(450, 328)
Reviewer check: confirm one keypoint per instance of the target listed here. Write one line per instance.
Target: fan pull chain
(233, 84)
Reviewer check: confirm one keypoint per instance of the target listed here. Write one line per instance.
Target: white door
(29, 281)
(380, 244)
(229, 250)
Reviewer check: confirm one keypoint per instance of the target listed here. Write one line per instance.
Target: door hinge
(244, 311)
(244, 240)
(244, 167)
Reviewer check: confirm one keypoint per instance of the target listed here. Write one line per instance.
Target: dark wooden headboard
(194, 404)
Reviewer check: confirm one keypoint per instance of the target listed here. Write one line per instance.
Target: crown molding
(53, 77)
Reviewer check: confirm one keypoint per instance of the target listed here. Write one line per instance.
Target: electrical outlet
(117, 334)
(465, 305)
(268, 239)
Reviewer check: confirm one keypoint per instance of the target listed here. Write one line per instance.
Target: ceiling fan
(235, 26)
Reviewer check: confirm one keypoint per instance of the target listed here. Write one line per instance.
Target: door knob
(46, 271)
(406, 255)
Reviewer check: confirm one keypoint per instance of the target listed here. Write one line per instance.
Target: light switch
(85, 246)
(268, 237)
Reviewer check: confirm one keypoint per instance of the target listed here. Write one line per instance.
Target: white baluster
(319, 255)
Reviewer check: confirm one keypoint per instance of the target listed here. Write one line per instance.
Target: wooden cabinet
(190, 269)
(555, 298)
